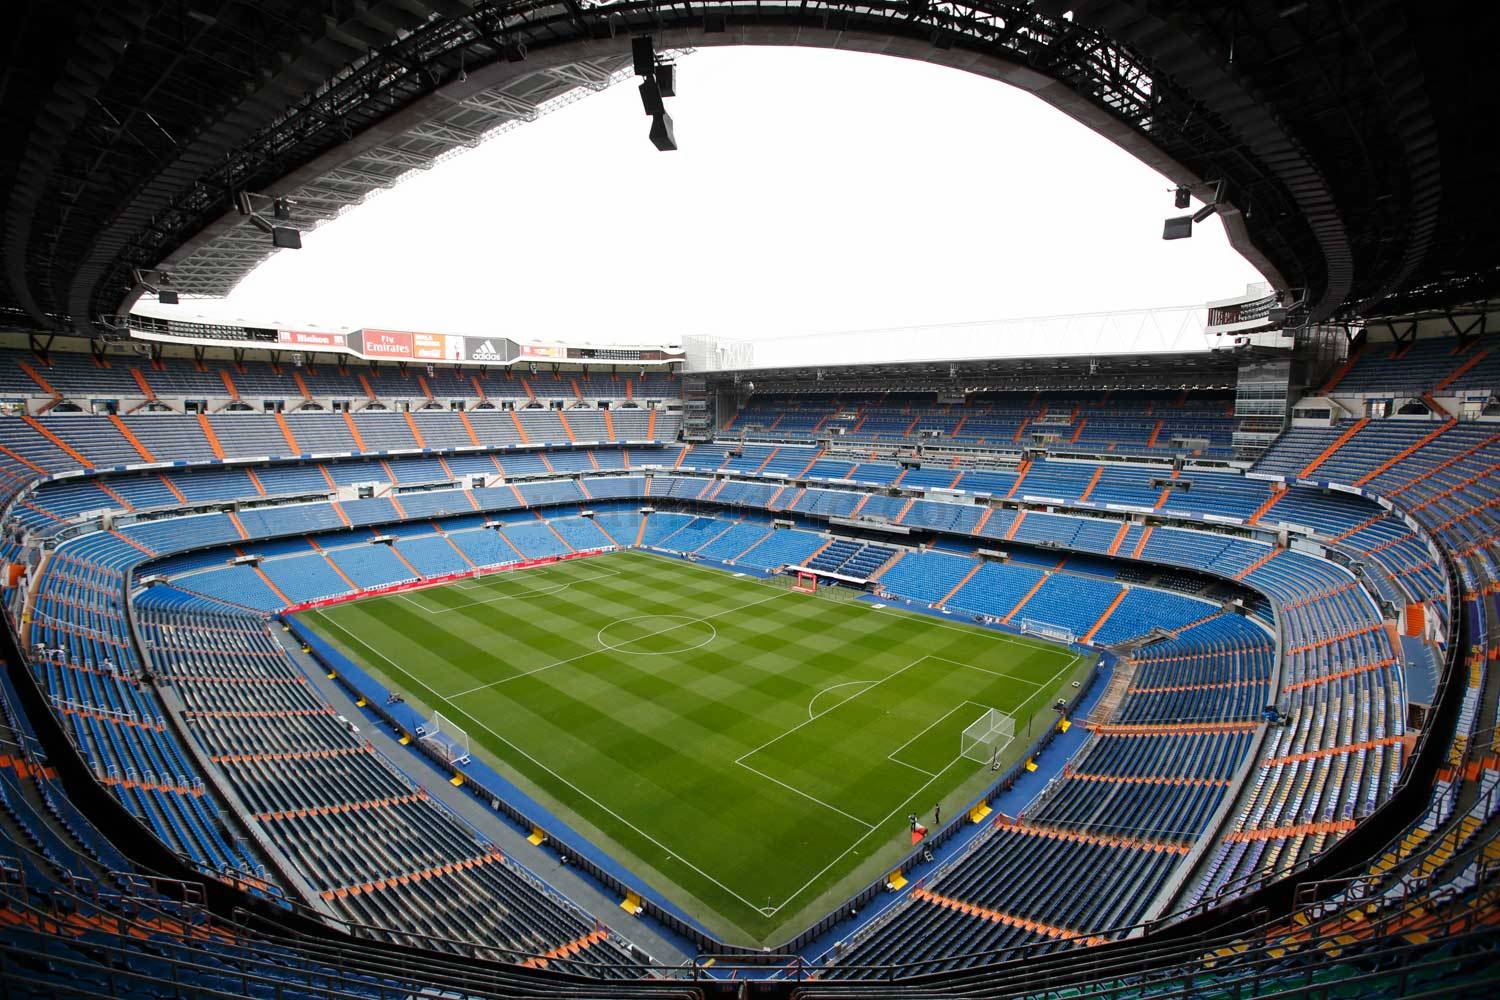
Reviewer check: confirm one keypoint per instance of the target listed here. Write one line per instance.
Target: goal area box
(986, 736)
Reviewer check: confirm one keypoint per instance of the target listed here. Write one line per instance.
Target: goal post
(448, 740)
(987, 736)
(1046, 630)
(802, 581)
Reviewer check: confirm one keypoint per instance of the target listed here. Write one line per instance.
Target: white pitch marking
(967, 629)
(878, 824)
(549, 666)
(873, 684)
(542, 591)
(810, 798)
(549, 770)
(992, 673)
(811, 715)
(487, 582)
(771, 911)
(483, 582)
(892, 755)
(881, 822)
(685, 621)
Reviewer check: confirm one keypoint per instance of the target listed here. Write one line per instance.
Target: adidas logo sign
(486, 352)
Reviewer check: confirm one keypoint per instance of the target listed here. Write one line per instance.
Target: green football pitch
(751, 751)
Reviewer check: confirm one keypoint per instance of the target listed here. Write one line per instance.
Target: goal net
(448, 740)
(987, 736)
(815, 586)
(1030, 626)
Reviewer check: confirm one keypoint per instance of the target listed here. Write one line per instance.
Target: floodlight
(1184, 197)
(1181, 227)
(282, 237)
(156, 282)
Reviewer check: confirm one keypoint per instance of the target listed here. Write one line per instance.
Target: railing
(237, 960)
(1253, 881)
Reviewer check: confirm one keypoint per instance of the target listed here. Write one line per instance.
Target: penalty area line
(483, 584)
(805, 795)
(863, 837)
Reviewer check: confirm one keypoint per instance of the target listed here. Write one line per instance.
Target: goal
(446, 739)
(806, 583)
(1057, 633)
(987, 736)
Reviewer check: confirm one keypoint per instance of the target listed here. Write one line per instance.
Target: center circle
(657, 635)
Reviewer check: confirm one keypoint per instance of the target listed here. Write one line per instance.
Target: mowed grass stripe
(844, 754)
(536, 632)
(602, 769)
(642, 749)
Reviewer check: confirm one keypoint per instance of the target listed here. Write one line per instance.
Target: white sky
(813, 191)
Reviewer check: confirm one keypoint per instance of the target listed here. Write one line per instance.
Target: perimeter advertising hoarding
(311, 338)
(394, 344)
(437, 347)
(402, 345)
(488, 350)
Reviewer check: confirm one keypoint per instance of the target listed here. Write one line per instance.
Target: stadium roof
(1354, 139)
(1201, 370)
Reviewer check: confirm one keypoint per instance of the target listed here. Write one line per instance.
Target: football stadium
(350, 661)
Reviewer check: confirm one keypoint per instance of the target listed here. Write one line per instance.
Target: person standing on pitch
(937, 815)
